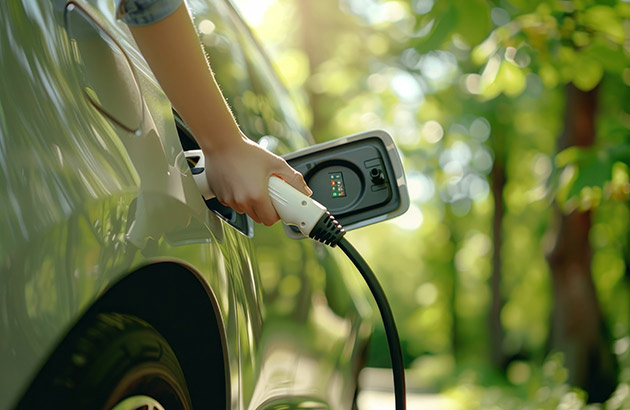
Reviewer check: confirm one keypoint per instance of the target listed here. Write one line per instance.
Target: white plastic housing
(293, 207)
(200, 178)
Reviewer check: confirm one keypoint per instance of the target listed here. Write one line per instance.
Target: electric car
(120, 287)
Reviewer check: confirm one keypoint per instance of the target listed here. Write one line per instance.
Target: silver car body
(96, 199)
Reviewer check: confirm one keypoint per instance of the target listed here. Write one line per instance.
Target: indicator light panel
(337, 187)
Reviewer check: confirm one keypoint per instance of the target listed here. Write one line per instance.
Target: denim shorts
(143, 12)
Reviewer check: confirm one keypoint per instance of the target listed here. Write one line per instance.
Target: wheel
(114, 362)
(138, 403)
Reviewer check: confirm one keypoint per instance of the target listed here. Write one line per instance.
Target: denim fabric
(143, 12)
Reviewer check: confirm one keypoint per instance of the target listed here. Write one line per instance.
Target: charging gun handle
(293, 207)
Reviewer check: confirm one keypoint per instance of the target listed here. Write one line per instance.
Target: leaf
(509, 80)
(482, 52)
(611, 58)
(594, 170)
(623, 10)
(549, 75)
(605, 20)
(620, 152)
(567, 156)
(513, 79)
(475, 26)
(526, 6)
(581, 38)
(445, 26)
(587, 72)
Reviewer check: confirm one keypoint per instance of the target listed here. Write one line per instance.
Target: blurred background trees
(511, 268)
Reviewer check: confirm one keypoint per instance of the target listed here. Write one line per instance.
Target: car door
(172, 220)
(306, 345)
(95, 186)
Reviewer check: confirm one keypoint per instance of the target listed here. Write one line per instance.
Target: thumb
(295, 179)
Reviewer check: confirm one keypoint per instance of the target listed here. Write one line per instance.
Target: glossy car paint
(94, 186)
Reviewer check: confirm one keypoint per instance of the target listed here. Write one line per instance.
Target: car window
(261, 104)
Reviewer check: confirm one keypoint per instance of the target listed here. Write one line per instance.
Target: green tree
(512, 117)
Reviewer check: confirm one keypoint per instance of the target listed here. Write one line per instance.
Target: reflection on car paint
(85, 201)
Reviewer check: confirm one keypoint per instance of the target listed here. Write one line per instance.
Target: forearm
(172, 49)
(237, 169)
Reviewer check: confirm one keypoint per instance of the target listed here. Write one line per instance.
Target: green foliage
(467, 88)
(561, 41)
(467, 19)
(589, 175)
(537, 388)
(440, 30)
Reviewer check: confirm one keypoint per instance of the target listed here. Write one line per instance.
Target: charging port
(358, 178)
(377, 176)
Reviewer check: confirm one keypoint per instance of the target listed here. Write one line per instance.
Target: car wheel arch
(148, 294)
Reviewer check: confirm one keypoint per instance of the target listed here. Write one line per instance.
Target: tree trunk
(578, 329)
(497, 335)
(311, 39)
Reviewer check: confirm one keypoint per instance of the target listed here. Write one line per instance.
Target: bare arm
(238, 169)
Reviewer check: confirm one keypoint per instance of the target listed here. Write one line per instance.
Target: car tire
(115, 362)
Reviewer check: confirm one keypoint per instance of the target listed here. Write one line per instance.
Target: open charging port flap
(359, 178)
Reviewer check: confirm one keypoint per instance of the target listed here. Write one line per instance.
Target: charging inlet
(358, 178)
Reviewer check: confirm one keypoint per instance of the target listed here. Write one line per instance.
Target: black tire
(114, 361)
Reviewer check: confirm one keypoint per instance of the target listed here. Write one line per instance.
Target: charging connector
(308, 215)
(327, 230)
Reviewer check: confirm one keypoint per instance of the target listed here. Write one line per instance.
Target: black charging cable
(330, 232)
(393, 340)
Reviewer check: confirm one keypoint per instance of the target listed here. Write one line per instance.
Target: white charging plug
(293, 207)
(197, 162)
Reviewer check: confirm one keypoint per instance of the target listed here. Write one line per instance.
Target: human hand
(238, 173)
(237, 169)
